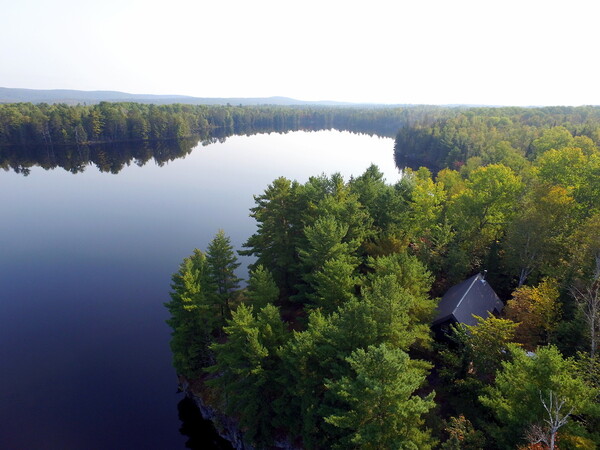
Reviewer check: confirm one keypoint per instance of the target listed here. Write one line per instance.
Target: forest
(328, 344)
(61, 124)
(112, 135)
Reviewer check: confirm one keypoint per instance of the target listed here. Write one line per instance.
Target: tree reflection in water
(201, 433)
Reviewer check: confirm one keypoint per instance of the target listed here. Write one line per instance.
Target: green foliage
(552, 139)
(318, 353)
(246, 369)
(340, 203)
(410, 273)
(515, 395)
(221, 264)
(334, 284)
(192, 319)
(504, 153)
(585, 247)
(261, 288)
(326, 239)
(539, 236)
(353, 266)
(398, 294)
(497, 135)
(371, 190)
(462, 435)
(487, 343)
(274, 244)
(482, 210)
(380, 408)
(383, 316)
(307, 359)
(392, 309)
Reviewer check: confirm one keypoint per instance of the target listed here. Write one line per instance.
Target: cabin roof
(473, 296)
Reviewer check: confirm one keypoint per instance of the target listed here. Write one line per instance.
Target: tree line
(437, 137)
(493, 135)
(329, 344)
(61, 124)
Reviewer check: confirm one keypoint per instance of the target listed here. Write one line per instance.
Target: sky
(524, 52)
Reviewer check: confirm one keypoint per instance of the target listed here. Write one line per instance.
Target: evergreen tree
(221, 263)
(326, 248)
(192, 319)
(302, 361)
(381, 409)
(274, 244)
(371, 189)
(393, 307)
(246, 369)
(311, 357)
(326, 240)
(261, 288)
(334, 284)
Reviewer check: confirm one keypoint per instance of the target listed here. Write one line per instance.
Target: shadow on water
(403, 162)
(201, 433)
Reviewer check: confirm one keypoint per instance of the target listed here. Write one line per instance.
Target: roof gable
(473, 296)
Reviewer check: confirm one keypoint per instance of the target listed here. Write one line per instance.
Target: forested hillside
(329, 345)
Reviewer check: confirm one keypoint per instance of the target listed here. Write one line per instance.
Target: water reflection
(403, 162)
(85, 268)
(113, 157)
(110, 158)
(201, 434)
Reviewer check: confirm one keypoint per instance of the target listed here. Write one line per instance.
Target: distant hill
(73, 97)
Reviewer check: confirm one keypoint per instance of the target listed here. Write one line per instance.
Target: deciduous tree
(537, 310)
(515, 396)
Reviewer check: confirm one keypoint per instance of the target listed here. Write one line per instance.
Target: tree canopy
(329, 345)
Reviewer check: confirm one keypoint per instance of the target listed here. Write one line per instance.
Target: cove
(85, 266)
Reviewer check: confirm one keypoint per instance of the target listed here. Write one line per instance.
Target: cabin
(473, 296)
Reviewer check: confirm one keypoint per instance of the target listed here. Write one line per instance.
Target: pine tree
(192, 320)
(222, 263)
(382, 410)
(261, 287)
(246, 369)
(327, 250)
(278, 226)
(334, 284)
(392, 308)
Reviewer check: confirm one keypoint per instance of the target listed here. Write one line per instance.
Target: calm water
(85, 265)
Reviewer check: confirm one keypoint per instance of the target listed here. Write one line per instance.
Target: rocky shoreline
(227, 427)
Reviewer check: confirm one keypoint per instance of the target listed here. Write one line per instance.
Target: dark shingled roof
(472, 296)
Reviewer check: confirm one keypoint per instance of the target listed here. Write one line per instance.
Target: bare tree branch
(556, 419)
(588, 300)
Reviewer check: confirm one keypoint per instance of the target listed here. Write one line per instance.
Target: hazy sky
(524, 52)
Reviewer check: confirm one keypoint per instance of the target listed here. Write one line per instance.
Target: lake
(85, 267)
